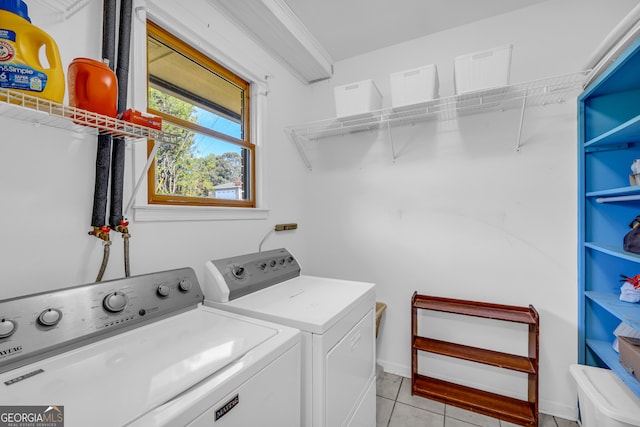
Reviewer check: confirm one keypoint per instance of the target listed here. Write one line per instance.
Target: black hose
(103, 153)
(117, 181)
(109, 32)
(118, 150)
(124, 48)
(103, 159)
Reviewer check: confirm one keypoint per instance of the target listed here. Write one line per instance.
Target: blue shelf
(626, 132)
(610, 301)
(608, 141)
(620, 76)
(614, 250)
(616, 192)
(610, 357)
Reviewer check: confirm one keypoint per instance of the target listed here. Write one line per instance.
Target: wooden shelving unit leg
(521, 412)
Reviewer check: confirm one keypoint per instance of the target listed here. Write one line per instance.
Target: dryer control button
(238, 272)
(184, 285)
(163, 290)
(49, 317)
(7, 328)
(115, 302)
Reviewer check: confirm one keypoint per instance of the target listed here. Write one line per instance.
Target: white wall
(461, 213)
(47, 174)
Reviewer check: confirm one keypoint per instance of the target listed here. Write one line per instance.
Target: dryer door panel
(350, 366)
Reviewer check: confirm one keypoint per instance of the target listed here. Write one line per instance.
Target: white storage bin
(605, 401)
(415, 86)
(482, 70)
(356, 99)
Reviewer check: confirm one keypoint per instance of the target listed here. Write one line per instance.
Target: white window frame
(218, 47)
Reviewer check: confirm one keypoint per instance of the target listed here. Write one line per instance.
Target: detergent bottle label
(14, 75)
(7, 35)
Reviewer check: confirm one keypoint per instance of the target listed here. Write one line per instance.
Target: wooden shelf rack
(521, 412)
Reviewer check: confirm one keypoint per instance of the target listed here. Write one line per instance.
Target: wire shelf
(28, 108)
(553, 90)
(539, 92)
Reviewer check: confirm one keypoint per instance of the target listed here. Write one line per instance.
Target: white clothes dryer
(337, 321)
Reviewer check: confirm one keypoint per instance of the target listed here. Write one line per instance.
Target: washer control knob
(184, 285)
(49, 317)
(262, 266)
(290, 259)
(163, 290)
(272, 263)
(238, 272)
(281, 261)
(115, 302)
(7, 327)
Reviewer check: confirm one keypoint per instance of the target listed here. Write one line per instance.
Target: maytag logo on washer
(10, 351)
(32, 416)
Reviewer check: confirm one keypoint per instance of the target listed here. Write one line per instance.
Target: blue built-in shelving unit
(609, 142)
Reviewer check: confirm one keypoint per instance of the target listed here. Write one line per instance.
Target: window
(207, 106)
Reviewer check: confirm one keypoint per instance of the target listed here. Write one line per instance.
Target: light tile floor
(395, 407)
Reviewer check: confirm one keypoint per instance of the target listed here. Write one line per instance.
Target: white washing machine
(337, 320)
(143, 351)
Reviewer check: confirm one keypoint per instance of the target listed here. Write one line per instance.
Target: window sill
(151, 213)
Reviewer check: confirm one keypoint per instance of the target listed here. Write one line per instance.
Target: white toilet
(604, 400)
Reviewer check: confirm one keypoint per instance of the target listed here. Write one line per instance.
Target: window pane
(207, 106)
(200, 166)
(174, 74)
(218, 123)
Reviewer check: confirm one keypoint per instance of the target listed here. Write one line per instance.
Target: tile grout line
(391, 414)
(395, 401)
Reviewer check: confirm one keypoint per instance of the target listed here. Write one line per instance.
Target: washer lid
(113, 381)
(309, 303)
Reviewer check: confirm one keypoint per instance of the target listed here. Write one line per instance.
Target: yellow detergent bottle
(20, 44)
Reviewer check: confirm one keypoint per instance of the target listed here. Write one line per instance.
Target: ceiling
(347, 28)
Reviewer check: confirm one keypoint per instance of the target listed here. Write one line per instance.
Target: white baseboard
(395, 368)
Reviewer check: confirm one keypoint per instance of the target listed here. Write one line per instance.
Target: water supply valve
(123, 227)
(101, 232)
